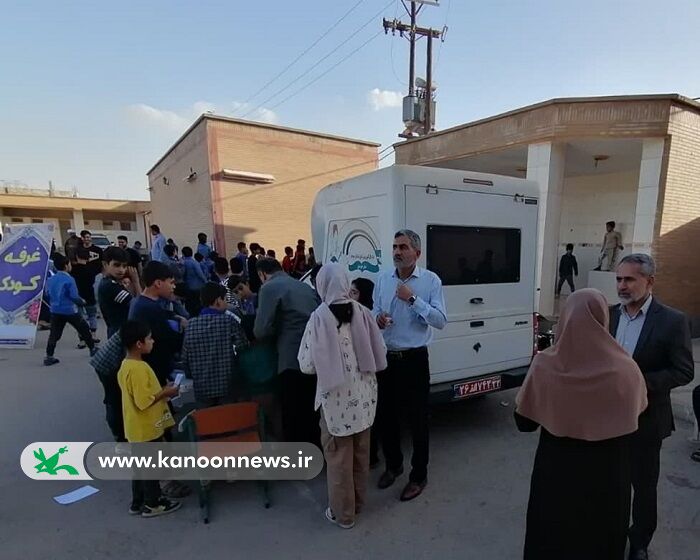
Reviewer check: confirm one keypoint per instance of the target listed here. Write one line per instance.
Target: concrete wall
(63, 219)
(278, 214)
(588, 202)
(183, 209)
(678, 243)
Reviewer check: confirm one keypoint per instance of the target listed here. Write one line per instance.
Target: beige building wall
(100, 216)
(277, 214)
(677, 246)
(183, 208)
(583, 216)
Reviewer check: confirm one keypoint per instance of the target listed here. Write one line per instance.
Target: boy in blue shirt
(64, 301)
(203, 247)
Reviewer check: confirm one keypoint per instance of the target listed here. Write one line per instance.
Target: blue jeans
(89, 312)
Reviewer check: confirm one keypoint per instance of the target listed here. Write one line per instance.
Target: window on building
(37, 221)
(474, 255)
(17, 220)
(128, 226)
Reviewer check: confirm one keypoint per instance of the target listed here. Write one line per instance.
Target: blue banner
(24, 259)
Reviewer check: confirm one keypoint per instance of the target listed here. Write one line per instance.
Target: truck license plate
(476, 387)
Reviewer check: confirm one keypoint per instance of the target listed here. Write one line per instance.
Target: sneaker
(330, 517)
(50, 361)
(93, 351)
(81, 345)
(96, 340)
(164, 507)
(135, 509)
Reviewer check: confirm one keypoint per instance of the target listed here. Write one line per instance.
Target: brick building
(246, 181)
(633, 159)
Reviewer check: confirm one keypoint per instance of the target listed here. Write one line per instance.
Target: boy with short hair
(247, 299)
(132, 254)
(84, 271)
(209, 349)
(288, 260)
(568, 267)
(202, 245)
(242, 254)
(222, 273)
(165, 326)
(113, 296)
(146, 413)
(64, 301)
(612, 245)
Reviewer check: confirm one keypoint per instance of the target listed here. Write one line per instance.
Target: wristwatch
(411, 300)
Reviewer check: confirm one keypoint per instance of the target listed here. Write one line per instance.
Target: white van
(479, 234)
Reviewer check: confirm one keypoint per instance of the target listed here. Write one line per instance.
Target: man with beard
(409, 304)
(658, 338)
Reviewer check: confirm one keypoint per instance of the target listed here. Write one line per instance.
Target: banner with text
(24, 259)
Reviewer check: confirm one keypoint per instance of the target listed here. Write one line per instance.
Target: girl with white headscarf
(343, 346)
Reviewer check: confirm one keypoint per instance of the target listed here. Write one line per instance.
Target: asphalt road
(474, 505)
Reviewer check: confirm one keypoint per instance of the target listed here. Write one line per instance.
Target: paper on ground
(76, 495)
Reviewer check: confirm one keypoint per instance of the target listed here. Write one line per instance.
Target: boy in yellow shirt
(146, 413)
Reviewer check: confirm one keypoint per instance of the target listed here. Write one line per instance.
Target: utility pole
(412, 50)
(418, 114)
(429, 88)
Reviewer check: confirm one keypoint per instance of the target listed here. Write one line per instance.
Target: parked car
(102, 241)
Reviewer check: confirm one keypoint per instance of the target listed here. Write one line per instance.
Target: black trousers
(645, 478)
(58, 323)
(696, 403)
(113, 405)
(145, 492)
(300, 422)
(404, 389)
(569, 279)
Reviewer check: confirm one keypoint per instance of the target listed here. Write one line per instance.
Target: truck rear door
(483, 247)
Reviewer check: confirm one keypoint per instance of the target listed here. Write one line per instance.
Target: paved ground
(474, 506)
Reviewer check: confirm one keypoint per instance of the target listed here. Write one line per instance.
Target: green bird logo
(50, 465)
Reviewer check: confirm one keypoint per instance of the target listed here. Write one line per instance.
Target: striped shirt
(114, 302)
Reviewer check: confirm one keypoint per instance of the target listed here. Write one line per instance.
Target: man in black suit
(658, 338)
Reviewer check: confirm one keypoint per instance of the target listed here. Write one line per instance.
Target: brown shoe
(413, 490)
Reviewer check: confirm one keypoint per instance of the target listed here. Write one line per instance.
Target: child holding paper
(146, 414)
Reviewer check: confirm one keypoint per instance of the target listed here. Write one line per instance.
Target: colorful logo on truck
(354, 243)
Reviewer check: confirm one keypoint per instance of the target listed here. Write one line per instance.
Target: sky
(92, 94)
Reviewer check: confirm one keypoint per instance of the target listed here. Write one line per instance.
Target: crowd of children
(178, 310)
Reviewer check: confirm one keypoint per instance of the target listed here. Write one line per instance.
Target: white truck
(479, 234)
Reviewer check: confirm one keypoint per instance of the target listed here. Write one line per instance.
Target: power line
(391, 54)
(306, 73)
(444, 31)
(297, 92)
(385, 155)
(293, 62)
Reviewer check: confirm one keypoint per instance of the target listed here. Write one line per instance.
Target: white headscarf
(333, 286)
